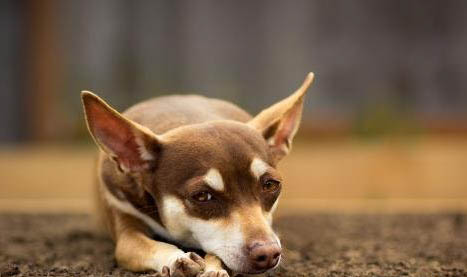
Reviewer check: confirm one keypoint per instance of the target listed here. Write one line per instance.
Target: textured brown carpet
(317, 245)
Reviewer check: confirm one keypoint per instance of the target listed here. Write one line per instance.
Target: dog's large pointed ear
(133, 147)
(279, 123)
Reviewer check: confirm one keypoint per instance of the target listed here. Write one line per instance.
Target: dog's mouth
(237, 264)
(242, 265)
(251, 270)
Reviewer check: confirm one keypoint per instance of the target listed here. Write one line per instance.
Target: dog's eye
(271, 185)
(202, 196)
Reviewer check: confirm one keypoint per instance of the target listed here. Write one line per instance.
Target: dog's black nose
(263, 255)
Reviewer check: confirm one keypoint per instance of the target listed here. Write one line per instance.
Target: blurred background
(384, 128)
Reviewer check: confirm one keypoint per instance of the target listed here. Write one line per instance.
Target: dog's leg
(135, 251)
(213, 267)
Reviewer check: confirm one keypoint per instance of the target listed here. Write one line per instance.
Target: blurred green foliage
(383, 118)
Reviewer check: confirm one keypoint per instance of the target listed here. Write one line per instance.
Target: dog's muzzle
(262, 255)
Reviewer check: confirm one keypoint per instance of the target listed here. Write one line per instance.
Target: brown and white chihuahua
(196, 173)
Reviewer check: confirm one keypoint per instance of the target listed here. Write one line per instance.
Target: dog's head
(215, 184)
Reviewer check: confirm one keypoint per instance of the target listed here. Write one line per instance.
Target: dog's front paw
(213, 267)
(214, 273)
(187, 265)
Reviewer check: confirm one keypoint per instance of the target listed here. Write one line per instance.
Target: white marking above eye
(214, 179)
(258, 167)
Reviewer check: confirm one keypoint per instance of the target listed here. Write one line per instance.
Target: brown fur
(165, 145)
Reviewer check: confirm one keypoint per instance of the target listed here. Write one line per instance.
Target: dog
(190, 172)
